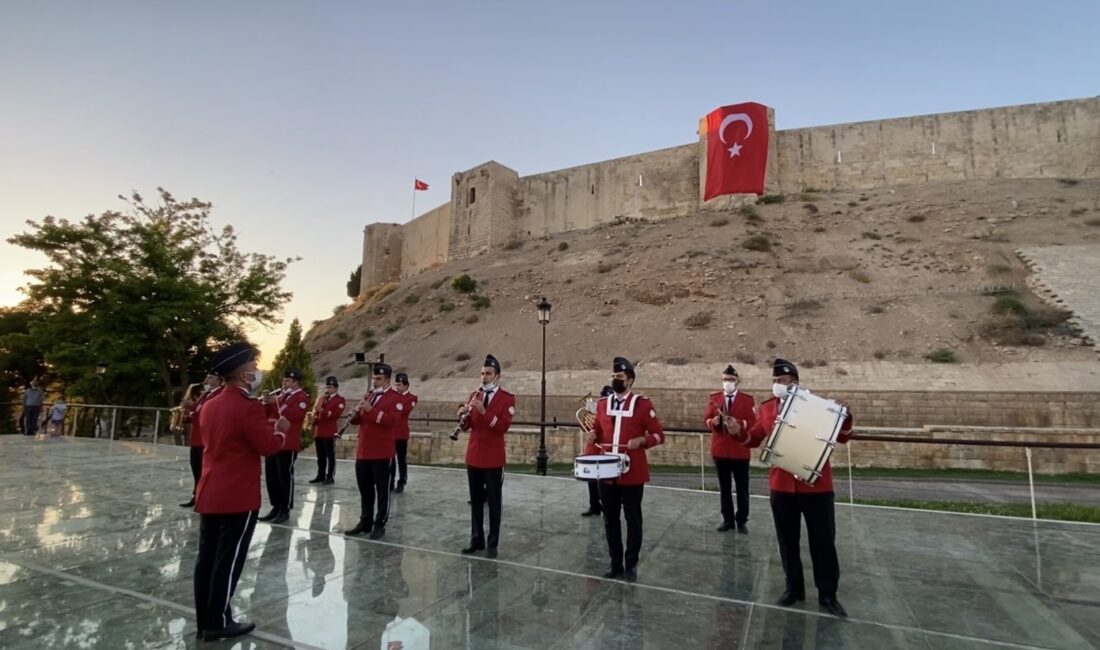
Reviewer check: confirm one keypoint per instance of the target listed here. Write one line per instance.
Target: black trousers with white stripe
(223, 547)
(279, 472)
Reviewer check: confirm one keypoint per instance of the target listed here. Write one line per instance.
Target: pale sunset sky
(303, 122)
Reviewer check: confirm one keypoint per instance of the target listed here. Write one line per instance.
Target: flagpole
(414, 201)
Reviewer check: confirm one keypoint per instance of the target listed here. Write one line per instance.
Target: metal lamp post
(541, 458)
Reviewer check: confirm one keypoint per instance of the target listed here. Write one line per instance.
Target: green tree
(294, 355)
(150, 292)
(354, 282)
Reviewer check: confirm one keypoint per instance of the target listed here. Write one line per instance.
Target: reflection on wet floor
(94, 552)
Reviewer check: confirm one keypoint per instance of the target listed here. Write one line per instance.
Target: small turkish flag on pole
(419, 184)
(737, 150)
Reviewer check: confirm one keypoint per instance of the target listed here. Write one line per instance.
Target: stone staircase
(1068, 277)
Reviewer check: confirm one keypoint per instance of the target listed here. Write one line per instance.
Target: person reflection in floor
(315, 553)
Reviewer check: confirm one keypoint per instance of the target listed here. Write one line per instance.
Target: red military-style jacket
(635, 418)
(485, 450)
(378, 427)
(783, 481)
(196, 408)
(723, 444)
(237, 434)
(326, 417)
(403, 427)
(293, 406)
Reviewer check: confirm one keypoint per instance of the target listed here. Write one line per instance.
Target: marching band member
(326, 418)
(292, 403)
(401, 442)
(793, 500)
(729, 448)
(625, 420)
(489, 414)
(378, 415)
(211, 386)
(237, 435)
(594, 507)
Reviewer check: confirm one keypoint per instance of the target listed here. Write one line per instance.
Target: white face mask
(780, 390)
(729, 387)
(489, 386)
(254, 382)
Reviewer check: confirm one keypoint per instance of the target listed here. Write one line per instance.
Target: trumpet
(464, 418)
(175, 424)
(586, 415)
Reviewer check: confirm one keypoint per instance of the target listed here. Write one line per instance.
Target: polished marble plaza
(95, 553)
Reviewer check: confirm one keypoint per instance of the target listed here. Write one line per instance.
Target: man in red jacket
(237, 436)
(793, 500)
(378, 415)
(326, 419)
(628, 423)
(490, 415)
(399, 465)
(212, 385)
(729, 447)
(292, 403)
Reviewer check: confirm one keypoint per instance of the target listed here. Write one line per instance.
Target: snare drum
(598, 467)
(804, 435)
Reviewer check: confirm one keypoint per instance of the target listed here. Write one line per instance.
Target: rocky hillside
(918, 274)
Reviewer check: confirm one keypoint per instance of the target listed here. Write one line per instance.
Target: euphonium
(175, 424)
(586, 415)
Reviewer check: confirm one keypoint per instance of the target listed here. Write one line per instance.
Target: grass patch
(412, 299)
(876, 309)
(367, 334)
(471, 319)
(867, 234)
(804, 306)
(676, 361)
(859, 276)
(820, 229)
(445, 307)
(464, 284)
(757, 242)
(999, 269)
(942, 355)
(769, 199)
(810, 208)
(1055, 511)
(808, 197)
(393, 327)
(481, 302)
(916, 218)
(718, 222)
(563, 246)
(746, 211)
(385, 290)
(462, 356)
(699, 320)
(361, 371)
(852, 204)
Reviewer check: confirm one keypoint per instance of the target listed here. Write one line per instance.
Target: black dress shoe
(726, 525)
(328, 481)
(317, 479)
(271, 514)
(832, 605)
(491, 553)
(591, 513)
(378, 532)
(360, 528)
(474, 547)
(282, 517)
(400, 488)
(189, 504)
(743, 529)
(790, 597)
(631, 574)
(229, 631)
(613, 572)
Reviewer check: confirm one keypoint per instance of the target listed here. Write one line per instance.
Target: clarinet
(464, 419)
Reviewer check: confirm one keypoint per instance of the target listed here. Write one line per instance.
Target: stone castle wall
(491, 205)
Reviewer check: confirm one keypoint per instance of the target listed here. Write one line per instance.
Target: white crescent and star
(734, 150)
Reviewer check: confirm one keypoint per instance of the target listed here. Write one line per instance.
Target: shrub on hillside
(464, 284)
(757, 242)
(768, 199)
(942, 355)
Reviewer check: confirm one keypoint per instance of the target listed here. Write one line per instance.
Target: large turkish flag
(737, 150)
